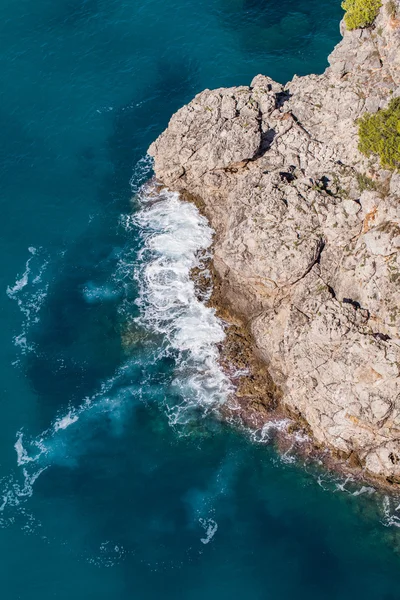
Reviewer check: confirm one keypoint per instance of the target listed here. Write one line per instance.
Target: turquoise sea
(116, 481)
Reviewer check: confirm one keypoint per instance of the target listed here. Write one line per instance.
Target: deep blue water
(103, 495)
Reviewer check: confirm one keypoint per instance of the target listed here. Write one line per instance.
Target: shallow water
(115, 479)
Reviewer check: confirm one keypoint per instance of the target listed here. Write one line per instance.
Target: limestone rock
(308, 234)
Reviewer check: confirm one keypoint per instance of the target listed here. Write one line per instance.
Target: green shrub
(360, 13)
(380, 134)
(365, 182)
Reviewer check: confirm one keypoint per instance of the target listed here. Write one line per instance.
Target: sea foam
(175, 240)
(68, 436)
(29, 292)
(173, 233)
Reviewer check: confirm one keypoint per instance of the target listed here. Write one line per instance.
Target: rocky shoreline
(306, 254)
(257, 405)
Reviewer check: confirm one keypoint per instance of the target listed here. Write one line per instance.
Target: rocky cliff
(308, 235)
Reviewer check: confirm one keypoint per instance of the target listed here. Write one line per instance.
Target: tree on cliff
(360, 13)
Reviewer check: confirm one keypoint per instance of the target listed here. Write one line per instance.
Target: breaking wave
(172, 235)
(175, 240)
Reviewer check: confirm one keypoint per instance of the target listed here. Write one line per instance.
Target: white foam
(29, 293)
(287, 457)
(69, 419)
(210, 527)
(173, 234)
(389, 518)
(23, 280)
(263, 435)
(62, 443)
(22, 455)
(141, 173)
(341, 486)
(364, 490)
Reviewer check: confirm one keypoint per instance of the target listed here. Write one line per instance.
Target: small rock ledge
(308, 235)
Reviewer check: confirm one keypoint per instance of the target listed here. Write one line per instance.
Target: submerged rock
(308, 235)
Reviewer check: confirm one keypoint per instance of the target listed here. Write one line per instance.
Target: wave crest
(174, 234)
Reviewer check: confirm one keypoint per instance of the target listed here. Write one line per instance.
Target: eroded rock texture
(308, 235)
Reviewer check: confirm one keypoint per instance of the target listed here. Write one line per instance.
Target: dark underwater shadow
(137, 124)
(78, 343)
(287, 29)
(263, 13)
(18, 148)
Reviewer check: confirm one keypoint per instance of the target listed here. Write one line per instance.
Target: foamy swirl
(174, 233)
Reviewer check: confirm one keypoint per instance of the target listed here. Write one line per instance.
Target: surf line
(174, 237)
(173, 233)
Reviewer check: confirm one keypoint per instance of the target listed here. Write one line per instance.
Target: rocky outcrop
(308, 235)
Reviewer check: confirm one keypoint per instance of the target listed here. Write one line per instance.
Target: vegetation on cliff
(380, 134)
(360, 13)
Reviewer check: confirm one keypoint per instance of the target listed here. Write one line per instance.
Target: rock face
(308, 235)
